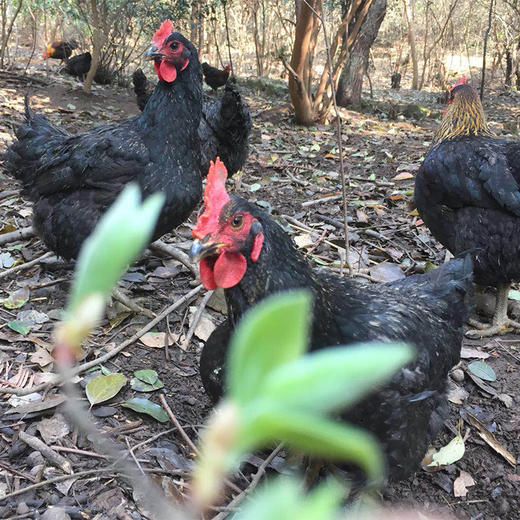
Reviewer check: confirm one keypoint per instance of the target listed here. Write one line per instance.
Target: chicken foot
(501, 323)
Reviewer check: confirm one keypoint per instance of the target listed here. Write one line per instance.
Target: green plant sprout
(276, 393)
(119, 237)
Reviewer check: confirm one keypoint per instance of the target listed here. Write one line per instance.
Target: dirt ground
(288, 168)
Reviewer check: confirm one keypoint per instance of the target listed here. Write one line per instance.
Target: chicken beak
(153, 54)
(203, 248)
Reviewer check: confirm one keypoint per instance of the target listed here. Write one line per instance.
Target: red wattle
(165, 71)
(168, 71)
(229, 269)
(206, 275)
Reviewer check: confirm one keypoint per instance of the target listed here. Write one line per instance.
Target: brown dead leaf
(472, 353)
(204, 328)
(303, 240)
(506, 399)
(456, 394)
(462, 483)
(155, 339)
(403, 176)
(41, 357)
(491, 440)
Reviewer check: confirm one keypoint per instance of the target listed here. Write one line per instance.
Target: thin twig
(339, 135)
(176, 254)
(109, 355)
(319, 201)
(177, 424)
(254, 482)
(19, 234)
(22, 267)
(82, 474)
(132, 305)
(196, 318)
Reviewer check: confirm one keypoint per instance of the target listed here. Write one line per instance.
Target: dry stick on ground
(133, 306)
(177, 424)
(109, 355)
(19, 234)
(22, 267)
(185, 436)
(254, 482)
(8, 193)
(323, 199)
(176, 254)
(338, 131)
(86, 473)
(53, 457)
(196, 319)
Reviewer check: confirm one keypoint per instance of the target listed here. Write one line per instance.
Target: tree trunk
(300, 96)
(351, 79)
(484, 50)
(7, 29)
(408, 15)
(98, 41)
(509, 67)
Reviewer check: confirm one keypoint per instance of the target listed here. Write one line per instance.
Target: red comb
(215, 198)
(163, 32)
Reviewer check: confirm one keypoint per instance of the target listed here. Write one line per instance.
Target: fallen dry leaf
(491, 440)
(462, 483)
(204, 328)
(155, 339)
(403, 176)
(456, 394)
(472, 353)
(41, 357)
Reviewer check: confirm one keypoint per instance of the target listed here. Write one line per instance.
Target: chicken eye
(174, 46)
(237, 221)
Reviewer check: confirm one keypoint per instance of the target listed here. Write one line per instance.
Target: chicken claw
(501, 323)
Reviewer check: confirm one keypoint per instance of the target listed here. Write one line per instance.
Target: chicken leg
(501, 323)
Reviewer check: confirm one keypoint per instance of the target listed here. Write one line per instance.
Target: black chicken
(467, 192)
(214, 77)
(59, 50)
(78, 66)
(241, 249)
(72, 179)
(224, 128)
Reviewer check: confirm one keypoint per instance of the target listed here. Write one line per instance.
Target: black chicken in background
(214, 77)
(78, 66)
(467, 192)
(72, 179)
(242, 250)
(224, 128)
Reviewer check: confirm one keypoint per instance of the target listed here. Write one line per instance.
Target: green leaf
(146, 381)
(102, 387)
(147, 376)
(142, 405)
(17, 298)
(283, 498)
(274, 332)
(335, 377)
(449, 454)
(482, 370)
(310, 434)
(514, 295)
(19, 326)
(120, 235)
